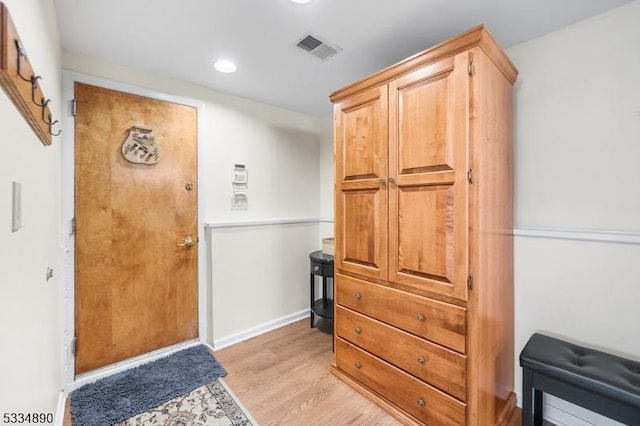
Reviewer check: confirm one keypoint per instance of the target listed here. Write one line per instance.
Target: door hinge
(470, 68)
(74, 346)
(73, 226)
(74, 107)
(470, 282)
(470, 175)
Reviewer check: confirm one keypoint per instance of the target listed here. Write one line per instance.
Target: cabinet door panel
(361, 189)
(428, 161)
(425, 248)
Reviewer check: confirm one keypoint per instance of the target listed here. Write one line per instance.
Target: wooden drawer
(440, 367)
(439, 322)
(422, 401)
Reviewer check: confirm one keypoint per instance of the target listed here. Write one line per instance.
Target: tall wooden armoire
(424, 235)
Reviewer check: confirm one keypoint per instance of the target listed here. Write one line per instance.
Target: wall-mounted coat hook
(44, 107)
(51, 124)
(21, 54)
(16, 72)
(34, 86)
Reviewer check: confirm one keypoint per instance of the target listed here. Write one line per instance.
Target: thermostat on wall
(239, 183)
(239, 175)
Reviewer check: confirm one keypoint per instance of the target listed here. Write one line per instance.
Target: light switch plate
(16, 222)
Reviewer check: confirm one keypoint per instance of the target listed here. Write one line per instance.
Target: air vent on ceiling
(317, 47)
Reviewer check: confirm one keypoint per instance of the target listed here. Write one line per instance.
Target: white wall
(29, 315)
(260, 278)
(327, 184)
(577, 143)
(259, 274)
(577, 115)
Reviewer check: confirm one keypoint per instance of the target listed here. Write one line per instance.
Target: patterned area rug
(212, 404)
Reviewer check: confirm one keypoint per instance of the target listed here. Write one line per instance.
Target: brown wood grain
(21, 92)
(437, 321)
(434, 364)
(478, 36)
(428, 225)
(449, 222)
(282, 378)
(361, 183)
(135, 289)
(422, 401)
(491, 336)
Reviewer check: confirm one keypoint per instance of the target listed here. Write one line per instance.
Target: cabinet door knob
(420, 318)
(420, 403)
(357, 365)
(357, 296)
(382, 183)
(420, 360)
(357, 330)
(391, 180)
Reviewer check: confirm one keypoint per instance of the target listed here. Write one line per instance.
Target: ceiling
(182, 38)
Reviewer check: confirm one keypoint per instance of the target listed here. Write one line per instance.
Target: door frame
(67, 240)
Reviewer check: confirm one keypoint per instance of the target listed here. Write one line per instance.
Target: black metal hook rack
(33, 79)
(22, 83)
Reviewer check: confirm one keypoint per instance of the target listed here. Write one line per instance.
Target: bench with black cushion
(595, 380)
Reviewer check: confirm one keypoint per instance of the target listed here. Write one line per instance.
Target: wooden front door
(135, 284)
(428, 161)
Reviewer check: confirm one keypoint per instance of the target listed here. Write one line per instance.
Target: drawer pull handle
(357, 365)
(357, 296)
(420, 318)
(420, 403)
(357, 330)
(421, 360)
(316, 268)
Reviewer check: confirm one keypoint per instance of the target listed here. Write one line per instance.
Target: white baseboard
(259, 329)
(563, 413)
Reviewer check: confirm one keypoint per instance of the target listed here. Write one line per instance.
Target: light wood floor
(282, 378)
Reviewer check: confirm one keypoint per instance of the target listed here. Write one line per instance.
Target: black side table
(321, 265)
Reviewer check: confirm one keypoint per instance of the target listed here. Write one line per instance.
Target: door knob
(187, 242)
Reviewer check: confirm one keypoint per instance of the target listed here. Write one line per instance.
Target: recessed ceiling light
(225, 66)
(301, 1)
